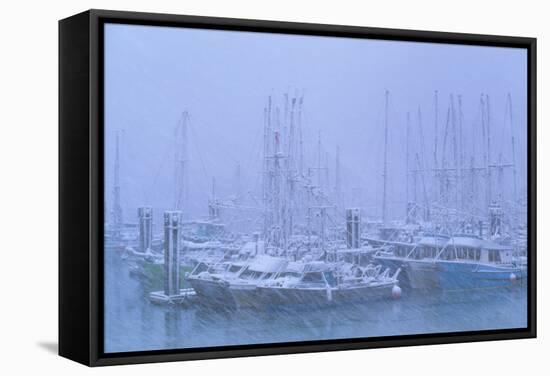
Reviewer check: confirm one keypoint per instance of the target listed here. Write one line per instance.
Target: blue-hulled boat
(453, 263)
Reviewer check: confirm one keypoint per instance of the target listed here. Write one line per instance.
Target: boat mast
(461, 147)
(485, 158)
(489, 180)
(444, 185)
(385, 173)
(407, 154)
(266, 186)
(319, 161)
(436, 142)
(337, 178)
(181, 185)
(238, 186)
(301, 161)
(422, 167)
(117, 208)
(455, 151)
(513, 148)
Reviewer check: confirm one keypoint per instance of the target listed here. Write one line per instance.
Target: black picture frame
(81, 186)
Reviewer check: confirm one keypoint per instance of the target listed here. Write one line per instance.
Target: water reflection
(134, 324)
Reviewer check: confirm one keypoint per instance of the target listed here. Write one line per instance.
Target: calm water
(134, 324)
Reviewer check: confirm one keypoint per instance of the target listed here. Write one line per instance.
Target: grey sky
(223, 79)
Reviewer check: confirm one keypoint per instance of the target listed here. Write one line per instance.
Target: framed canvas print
(240, 187)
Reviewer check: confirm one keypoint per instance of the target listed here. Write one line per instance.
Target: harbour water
(132, 323)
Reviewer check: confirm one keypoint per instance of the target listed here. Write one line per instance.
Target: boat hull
(213, 292)
(454, 275)
(423, 274)
(275, 296)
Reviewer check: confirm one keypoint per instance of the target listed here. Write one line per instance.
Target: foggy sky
(223, 79)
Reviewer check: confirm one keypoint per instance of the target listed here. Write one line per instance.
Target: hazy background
(223, 79)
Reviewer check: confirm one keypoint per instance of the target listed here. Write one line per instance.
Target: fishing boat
(210, 282)
(469, 262)
(457, 262)
(321, 283)
(244, 289)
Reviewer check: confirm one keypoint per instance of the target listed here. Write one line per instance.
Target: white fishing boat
(320, 283)
(244, 288)
(210, 282)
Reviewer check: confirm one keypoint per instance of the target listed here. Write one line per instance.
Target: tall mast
(301, 160)
(513, 148)
(489, 179)
(319, 160)
(444, 185)
(436, 126)
(423, 167)
(484, 148)
(327, 176)
(291, 170)
(436, 142)
(407, 153)
(337, 179)
(455, 150)
(385, 173)
(237, 182)
(461, 148)
(181, 186)
(117, 208)
(267, 178)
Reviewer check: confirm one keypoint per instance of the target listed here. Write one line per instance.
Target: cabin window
(313, 278)
(330, 279)
(494, 256)
(290, 274)
(234, 268)
(248, 274)
(460, 253)
(200, 268)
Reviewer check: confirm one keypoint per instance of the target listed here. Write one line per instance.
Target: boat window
(202, 267)
(248, 274)
(289, 274)
(315, 277)
(494, 256)
(235, 268)
(330, 279)
(268, 275)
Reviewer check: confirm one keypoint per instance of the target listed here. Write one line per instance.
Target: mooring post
(353, 228)
(172, 227)
(145, 216)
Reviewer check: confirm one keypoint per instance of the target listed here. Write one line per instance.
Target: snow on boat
(458, 262)
(211, 282)
(244, 289)
(320, 283)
